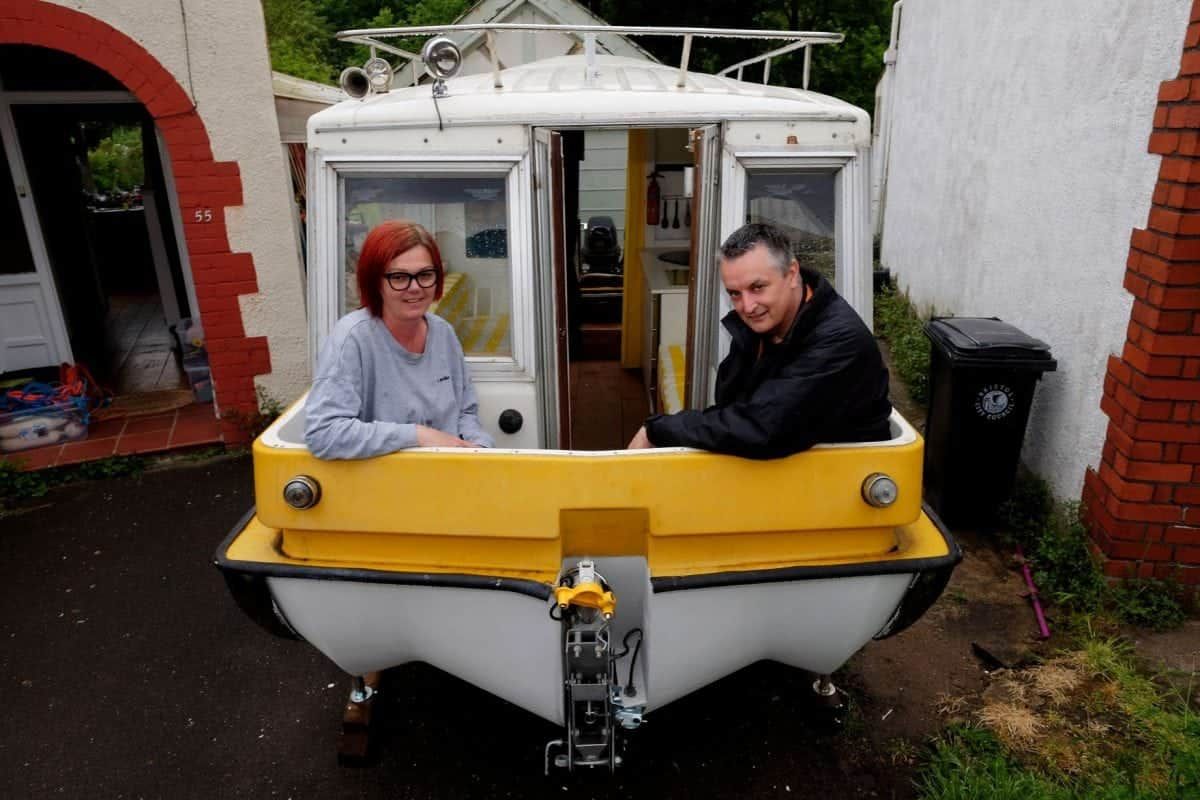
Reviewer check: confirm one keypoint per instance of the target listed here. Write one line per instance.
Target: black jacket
(825, 382)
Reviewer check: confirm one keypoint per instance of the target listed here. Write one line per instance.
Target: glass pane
(15, 257)
(468, 216)
(802, 204)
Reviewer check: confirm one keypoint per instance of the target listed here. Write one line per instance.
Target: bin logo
(994, 402)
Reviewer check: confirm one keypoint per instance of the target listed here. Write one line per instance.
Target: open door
(554, 372)
(703, 281)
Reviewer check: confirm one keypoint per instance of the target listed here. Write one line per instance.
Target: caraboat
(589, 586)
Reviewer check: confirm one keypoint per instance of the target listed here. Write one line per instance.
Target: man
(802, 367)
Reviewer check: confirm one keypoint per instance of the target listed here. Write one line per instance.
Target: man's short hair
(751, 235)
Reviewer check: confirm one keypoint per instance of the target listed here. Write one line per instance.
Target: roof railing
(374, 38)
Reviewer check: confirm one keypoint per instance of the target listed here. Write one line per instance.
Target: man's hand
(640, 441)
(432, 437)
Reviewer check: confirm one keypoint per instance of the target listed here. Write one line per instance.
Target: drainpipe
(885, 124)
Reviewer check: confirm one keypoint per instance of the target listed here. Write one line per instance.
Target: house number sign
(203, 215)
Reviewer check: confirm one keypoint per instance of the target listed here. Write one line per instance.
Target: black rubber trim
(534, 589)
(674, 583)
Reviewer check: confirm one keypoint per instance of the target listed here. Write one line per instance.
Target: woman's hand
(432, 437)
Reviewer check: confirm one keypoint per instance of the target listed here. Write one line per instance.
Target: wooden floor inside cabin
(608, 405)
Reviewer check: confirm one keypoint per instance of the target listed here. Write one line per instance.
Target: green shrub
(898, 323)
(1148, 604)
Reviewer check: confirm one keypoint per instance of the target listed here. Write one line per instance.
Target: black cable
(559, 617)
(438, 110)
(630, 690)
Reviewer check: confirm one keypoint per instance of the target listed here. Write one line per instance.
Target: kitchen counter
(656, 270)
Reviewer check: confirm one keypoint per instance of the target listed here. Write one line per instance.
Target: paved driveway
(126, 671)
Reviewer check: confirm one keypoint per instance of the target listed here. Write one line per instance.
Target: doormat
(143, 404)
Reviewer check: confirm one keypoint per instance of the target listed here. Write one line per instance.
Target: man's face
(766, 299)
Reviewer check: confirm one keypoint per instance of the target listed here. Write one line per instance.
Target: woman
(392, 375)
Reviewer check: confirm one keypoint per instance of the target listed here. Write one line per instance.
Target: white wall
(221, 62)
(1018, 170)
(602, 177)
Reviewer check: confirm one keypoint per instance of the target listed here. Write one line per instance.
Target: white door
(32, 330)
(704, 310)
(551, 271)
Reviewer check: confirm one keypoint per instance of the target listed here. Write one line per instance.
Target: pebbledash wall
(200, 68)
(1045, 168)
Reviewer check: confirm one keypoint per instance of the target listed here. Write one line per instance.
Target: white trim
(185, 262)
(852, 237)
(270, 438)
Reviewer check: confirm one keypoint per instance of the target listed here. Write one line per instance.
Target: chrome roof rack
(373, 38)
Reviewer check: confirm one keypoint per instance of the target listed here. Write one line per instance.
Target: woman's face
(412, 267)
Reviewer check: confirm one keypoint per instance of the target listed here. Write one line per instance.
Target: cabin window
(468, 216)
(802, 205)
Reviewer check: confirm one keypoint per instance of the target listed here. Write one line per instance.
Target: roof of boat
(624, 91)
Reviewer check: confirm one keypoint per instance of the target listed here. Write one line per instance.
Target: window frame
(852, 242)
(327, 254)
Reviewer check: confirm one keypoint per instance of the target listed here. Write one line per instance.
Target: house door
(32, 330)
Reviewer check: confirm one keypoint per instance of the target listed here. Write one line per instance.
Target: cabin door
(553, 326)
(704, 282)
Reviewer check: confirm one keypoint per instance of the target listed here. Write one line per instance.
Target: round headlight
(302, 492)
(379, 73)
(879, 490)
(442, 57)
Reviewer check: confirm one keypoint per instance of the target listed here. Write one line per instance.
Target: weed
(253, 423)
(899, 324)
(18, 485)
(1148, 604)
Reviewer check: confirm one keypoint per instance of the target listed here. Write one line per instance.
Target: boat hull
(497, 633)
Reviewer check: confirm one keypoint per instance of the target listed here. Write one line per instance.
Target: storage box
(40, 427)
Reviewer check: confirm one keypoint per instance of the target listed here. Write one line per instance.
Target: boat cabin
(578, 203)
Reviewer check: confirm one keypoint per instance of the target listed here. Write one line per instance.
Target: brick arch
(1143, 503)
(203, 184)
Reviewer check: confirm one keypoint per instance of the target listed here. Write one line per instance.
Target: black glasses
(399, 281)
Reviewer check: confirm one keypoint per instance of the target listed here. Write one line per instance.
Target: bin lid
(988, 341)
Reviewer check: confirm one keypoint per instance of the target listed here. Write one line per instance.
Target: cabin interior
(629, 222)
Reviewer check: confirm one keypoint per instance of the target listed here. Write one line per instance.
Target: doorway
(629, 221)
(93, 210)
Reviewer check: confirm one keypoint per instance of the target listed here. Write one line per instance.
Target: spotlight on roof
(442, 57)
(379, 74)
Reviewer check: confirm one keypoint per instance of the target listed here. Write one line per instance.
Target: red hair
(386, 241)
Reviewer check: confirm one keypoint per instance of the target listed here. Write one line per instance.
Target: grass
(1086, 724)
(898, 323)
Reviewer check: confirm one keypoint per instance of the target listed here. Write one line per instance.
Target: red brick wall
(1143, 503)
(203, 184)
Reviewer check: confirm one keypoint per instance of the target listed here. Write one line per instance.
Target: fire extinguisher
(653, 196)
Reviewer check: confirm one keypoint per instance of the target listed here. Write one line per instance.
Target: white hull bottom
(507, 644)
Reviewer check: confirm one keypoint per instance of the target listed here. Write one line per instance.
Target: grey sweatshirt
(370, 393)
